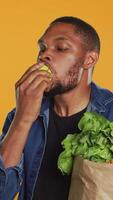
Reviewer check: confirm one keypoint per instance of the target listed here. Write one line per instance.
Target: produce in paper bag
(91, 180)
(88, 156)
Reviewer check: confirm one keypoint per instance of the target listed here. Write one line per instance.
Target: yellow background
(23, 21)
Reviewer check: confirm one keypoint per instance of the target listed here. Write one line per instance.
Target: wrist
(24, 120)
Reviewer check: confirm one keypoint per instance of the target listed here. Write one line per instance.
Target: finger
(30, 70)
(35, 74)
(34, 67)
(36, 82)
(29, 77)
(42, 87)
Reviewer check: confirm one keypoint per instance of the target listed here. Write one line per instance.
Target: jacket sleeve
(11, 178)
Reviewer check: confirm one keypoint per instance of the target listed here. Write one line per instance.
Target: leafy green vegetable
(94, 142)
(67, 142)
(93, 122)
(65, 163)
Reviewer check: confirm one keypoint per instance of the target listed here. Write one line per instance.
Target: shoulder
(103, 95)
(102, 99)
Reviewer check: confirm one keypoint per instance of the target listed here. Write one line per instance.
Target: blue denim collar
(99, 99)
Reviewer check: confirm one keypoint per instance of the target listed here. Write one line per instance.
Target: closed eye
(62, 49)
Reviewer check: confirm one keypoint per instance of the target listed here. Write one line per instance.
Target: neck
(73, 101)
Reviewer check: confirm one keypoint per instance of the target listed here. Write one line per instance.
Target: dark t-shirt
(51, 184)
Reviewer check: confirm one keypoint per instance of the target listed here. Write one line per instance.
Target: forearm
(13, 144)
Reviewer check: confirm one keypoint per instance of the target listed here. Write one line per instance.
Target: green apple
(45, 68)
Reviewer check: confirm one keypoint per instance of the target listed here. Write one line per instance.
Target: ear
(90, 59)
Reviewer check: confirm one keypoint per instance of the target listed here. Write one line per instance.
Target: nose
(45, 56)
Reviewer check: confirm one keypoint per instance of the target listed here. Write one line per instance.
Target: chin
(58, 89)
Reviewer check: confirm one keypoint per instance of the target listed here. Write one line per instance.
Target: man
(48, 108)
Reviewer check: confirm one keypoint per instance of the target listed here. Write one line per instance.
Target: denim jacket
(21, 179)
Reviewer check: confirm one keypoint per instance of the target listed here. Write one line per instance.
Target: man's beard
(59, 89)
(74, 75)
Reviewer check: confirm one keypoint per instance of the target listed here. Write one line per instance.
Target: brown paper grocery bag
(91, 180)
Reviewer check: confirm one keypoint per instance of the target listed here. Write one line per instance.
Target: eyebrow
(56, 39)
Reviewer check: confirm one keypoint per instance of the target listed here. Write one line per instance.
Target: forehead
(61, 31)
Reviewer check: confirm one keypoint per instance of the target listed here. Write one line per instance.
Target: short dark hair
(89, 35)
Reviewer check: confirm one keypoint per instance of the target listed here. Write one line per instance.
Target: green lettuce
(94, 142)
